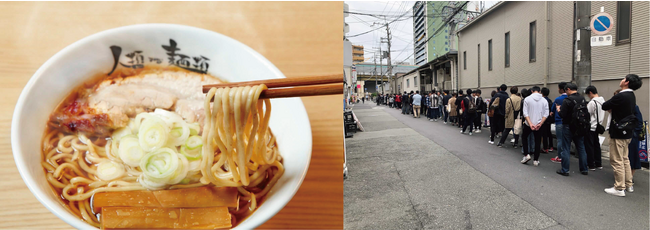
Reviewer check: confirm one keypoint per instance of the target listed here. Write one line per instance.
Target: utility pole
(389, 64)
(582, 45)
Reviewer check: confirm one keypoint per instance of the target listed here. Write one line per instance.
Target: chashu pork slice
(112, 102)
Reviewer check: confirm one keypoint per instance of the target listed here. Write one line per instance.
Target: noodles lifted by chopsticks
(239, 149)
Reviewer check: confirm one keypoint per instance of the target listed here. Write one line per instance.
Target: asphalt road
(410, 173)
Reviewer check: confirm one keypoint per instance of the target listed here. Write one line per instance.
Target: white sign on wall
(601, 40)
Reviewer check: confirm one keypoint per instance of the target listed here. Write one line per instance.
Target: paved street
(407, 173)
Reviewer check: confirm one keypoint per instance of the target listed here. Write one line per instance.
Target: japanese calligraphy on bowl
(137, 60)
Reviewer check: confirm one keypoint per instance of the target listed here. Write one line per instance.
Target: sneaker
(556, 160)
(478, 131)
(500, 145)
(630, 189)
(599, 168)
(461, 132)
(592, 169)
(535, 163)
(585, 173)
(512, 140)
(551, 149)
(526, 159)
(470, 133)
(491, 142)
(613, 191)
(559, 171)
(445, 122)
(515, 146)
(436, 120)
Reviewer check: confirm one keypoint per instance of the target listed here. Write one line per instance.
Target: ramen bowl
(136, 46)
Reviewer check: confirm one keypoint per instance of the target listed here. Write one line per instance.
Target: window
(490, 54)
(446, 49)
(532, 42)
(464, 59)
(623, 13)
(407, 83)
(507, 50)
(415, 81)
(446, 43)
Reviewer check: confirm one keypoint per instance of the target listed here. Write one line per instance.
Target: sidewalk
(399, 179)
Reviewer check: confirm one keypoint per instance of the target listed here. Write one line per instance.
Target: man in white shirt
(535, 113)
(417, 104)
(592, 144)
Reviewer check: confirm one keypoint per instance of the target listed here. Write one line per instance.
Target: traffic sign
(601, 23)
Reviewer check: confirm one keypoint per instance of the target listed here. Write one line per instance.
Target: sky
(401, 30)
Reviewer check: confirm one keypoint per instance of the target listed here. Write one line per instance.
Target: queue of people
(528, 114)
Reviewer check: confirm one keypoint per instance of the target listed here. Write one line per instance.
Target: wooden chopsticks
(292, 87)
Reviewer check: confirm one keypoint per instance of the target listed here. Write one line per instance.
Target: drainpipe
(548, 59)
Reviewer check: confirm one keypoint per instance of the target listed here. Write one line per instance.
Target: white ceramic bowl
(228, 59)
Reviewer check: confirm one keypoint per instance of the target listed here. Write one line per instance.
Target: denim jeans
(559, 137)
(444, 111)
(565, 153)
(435, 113)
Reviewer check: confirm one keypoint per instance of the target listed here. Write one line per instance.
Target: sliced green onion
(194, 154)
(194, 142)
(109, 170)
(160, 166)
(130, 151)
(152, 135)
(195, 128)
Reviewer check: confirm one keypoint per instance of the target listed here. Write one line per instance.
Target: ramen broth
(80, 137)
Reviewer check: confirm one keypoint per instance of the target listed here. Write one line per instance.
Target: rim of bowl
(56, 208)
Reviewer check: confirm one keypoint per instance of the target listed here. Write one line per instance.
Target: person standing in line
(426, 99)
(531, 139)
(461, 113)
(469, 112)
(363, 99)
(445, 105)
(440, 108)
(398, 100)
(499, 113)
(622, 108)
(535, 112)
(571, 131)
(635, 161)
(558, 121)
(480, 110)
(404, 102)
(452, 109)
(391, 101)
(513, 108)
(592, 144)
(491, 114)
(547, 136)
(417, 99)
(434, 109)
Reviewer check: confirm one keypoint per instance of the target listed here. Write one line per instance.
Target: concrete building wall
(515, 18)
(410, 82)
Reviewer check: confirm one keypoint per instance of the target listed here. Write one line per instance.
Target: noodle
(239, 150)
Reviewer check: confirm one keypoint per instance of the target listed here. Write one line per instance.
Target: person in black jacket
(460, 116)
(445, 103)
(468, 116)
(570, 132)
(621, 108)
(499, 119)
(547, 136)
(480, 105)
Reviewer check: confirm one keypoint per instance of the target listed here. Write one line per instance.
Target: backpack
(580, 118)
(471, 108)
(495, 104)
